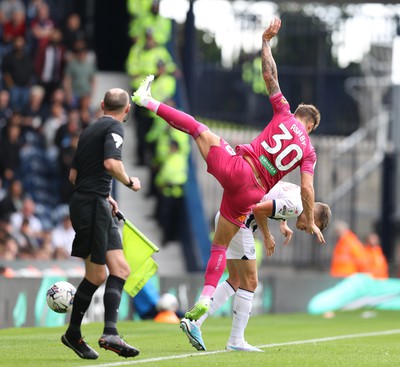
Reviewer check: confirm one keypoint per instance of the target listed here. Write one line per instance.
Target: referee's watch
(130, 183)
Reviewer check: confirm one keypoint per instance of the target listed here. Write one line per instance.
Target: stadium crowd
(47, 79)
(46, 83)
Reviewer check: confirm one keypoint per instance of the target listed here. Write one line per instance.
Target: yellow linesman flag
(138, 250)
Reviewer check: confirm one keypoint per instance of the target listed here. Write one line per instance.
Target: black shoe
(80, 347)
(117, 345)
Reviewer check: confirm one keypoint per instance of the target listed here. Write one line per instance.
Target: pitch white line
(265, 346)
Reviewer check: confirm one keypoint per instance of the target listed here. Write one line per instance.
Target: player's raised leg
(177, 119)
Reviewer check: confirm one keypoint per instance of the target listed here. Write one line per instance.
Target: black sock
(82, 299)
(112, 299)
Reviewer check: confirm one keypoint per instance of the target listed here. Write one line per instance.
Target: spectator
(50, 62)
(160, 135)
(90, 54)
(87, 116)
(378, 265)
(8, 245)
(13, 200)
(164, 89)
(42, 25)
(34, 112)
(8, 7)
(45, 251)
(142, 59)
(57, 118)
(27, 239)
(79, 78)
(2, 190)
(5, 109)
(32, 9)
(138, 8)
(65, 132)
(72, 32)
(10, 147)
(164, 85)
(170, 179)
(57, 97)
(66, 156)
(86, 111)
(151, 18)
(15, 27)
(27, 213)
(349, 255)
(62, 237)
(18, 73)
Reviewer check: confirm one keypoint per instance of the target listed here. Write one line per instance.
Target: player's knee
(123, 271)
(254, 283)
(234, 282)
(97, 277)
(250, 283)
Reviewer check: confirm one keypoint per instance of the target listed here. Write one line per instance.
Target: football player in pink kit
(281, 203)
(250, 172)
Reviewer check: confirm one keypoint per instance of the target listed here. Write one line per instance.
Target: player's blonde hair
(308, 113)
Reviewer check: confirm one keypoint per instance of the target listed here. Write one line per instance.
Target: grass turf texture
(165, 345)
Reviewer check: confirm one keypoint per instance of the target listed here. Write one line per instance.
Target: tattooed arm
(269, 70)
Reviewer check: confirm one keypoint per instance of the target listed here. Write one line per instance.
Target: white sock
(241, 314)
(221, 294)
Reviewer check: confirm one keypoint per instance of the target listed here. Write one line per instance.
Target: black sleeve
(113, 142)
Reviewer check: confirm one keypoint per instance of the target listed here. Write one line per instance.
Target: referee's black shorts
(96, 231)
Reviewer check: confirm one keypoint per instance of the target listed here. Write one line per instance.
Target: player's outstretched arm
(307, 198)
(269, 70)
(260, 213)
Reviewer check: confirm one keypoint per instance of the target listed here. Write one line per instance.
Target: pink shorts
(241, 189)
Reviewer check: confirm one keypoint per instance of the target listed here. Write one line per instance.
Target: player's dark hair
(115, 100)
(309, 113)
(322, 214)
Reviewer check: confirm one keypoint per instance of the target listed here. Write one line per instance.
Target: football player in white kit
(281, 203)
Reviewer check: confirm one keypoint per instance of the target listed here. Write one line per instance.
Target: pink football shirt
(281, 147)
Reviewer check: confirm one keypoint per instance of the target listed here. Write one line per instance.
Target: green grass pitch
(348, 339)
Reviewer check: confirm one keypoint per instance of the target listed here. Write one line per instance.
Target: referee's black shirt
(101, 140)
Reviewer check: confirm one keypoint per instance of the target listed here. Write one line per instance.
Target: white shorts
(242, 246)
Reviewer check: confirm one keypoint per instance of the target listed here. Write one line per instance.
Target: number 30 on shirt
(282, 151)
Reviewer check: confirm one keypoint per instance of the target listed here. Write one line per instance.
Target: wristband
(130, 183)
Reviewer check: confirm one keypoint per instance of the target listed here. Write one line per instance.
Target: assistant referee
(97, 240)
